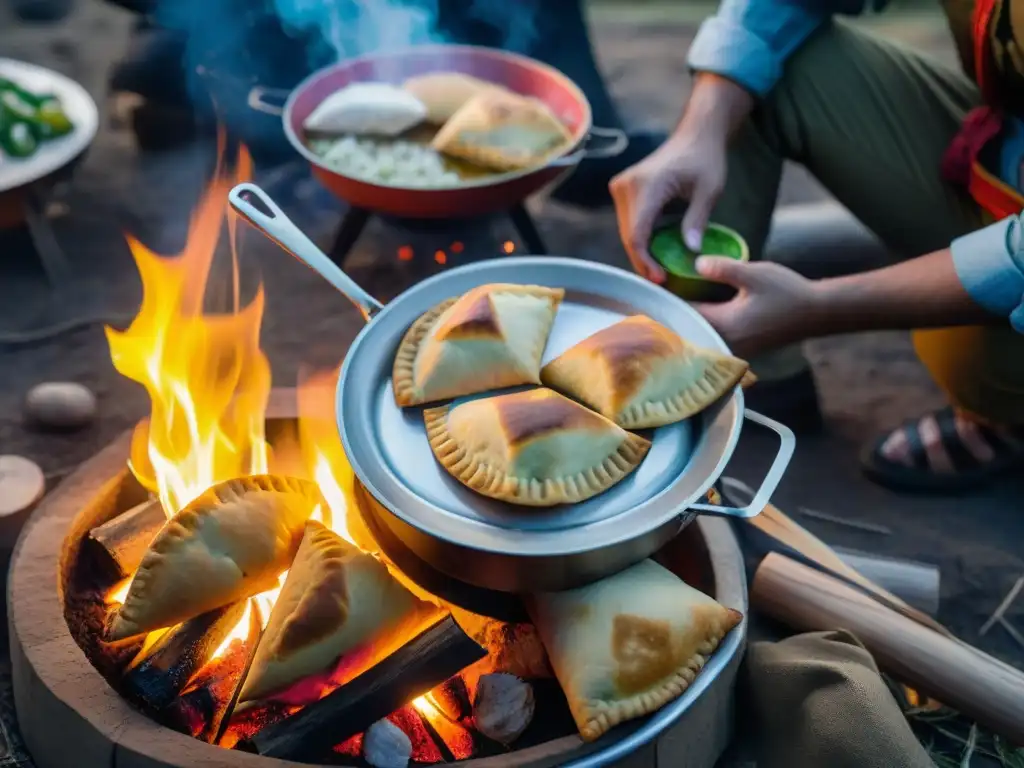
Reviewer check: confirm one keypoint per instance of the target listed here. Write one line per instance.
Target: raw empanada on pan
(640, 374)
(491, 337)
(230, 542)
(534, 448)
(335, 600)
(627, 645)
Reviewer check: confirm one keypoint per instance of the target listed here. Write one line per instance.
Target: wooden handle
(946, 669)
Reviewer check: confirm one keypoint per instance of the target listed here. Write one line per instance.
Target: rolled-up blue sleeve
(748, 41)
(990, 264)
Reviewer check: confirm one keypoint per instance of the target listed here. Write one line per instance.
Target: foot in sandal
(947, 451)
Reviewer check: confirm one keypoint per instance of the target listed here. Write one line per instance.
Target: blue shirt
(748, 41)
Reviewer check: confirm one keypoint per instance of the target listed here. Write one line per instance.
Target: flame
(207, 378)
(457, 738)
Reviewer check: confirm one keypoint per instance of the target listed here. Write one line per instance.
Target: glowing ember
(441, 257)
(457, 738)
(405, 253)
(207, 378)
(508, 246)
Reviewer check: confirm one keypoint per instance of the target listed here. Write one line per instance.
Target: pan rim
(719, 433)
(578, 138)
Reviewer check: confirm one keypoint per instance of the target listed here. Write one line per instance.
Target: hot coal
(503, 707)
(385, 745)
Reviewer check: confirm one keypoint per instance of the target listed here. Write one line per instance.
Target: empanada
(444, 93)
(535, 448)
(335, 600)
(627, 645)
(503, 131)
(230, 542)
(367, 109)
(640, 374)
(492, 337)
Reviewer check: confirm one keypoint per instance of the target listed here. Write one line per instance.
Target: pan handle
(282, 231)
(787, 444)
(617, 143)
(260, 100)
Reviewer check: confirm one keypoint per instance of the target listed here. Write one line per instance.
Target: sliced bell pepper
(17, 136)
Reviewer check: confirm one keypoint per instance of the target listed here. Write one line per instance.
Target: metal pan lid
(388, 448)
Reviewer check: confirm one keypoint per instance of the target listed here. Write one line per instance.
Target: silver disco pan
(495, 544)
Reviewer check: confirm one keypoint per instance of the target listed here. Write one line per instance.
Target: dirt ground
(867, 382)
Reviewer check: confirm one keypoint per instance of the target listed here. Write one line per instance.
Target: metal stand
(355, 219)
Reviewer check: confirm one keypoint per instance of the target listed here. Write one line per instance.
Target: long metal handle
(787, 444)
(258, 96)
(279, 228)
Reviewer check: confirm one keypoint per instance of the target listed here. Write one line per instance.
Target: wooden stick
(179, 653)
(915, 583)
(945, 668)
(424, 662)
(118, 546)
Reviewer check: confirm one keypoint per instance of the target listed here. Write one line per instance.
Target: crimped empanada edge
(402, 370)
(597, 716)
(125, 622)
(491, 482)
(719, 379)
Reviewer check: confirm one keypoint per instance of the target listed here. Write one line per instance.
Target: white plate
(51, 155)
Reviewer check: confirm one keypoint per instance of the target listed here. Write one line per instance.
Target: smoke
(349, 28)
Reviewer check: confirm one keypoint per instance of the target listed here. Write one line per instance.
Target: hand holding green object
(668, 248)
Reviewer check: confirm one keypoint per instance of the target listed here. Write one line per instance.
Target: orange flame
(207, 378)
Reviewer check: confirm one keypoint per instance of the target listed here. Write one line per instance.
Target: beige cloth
(818, 702)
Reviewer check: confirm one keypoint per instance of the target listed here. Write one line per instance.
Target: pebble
(22, 484)
(385, 745)
(60, 405)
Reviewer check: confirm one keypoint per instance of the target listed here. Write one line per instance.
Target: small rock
(385, 745)
(503, 707)
(62, 405)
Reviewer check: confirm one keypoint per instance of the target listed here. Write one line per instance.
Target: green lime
(669, 250)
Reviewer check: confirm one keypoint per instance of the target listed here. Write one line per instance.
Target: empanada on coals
(491, 337)
(503, 131)
(535, 448)
(640, 374)
(335, 600)
(627, 645)
(230, 542)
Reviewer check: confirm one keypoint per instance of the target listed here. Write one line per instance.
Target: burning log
(424, 662)
(385, 745)
(117, 546)
(204, 711)
(503, 707)
(162, 674)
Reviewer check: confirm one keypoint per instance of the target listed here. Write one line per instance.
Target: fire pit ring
(69, 715)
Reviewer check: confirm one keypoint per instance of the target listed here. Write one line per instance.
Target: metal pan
(490, 194)
(503, 546)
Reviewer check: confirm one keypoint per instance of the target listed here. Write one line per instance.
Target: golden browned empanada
(492, 337)
(444, 93)
(640, 374)
(230, 542)
(335, 600)
(535, 448)
(627, 645)
(503, 131)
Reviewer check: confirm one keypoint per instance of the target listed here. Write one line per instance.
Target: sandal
(943, 452)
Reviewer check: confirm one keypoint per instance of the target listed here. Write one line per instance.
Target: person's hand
(692, 167)
(774, 306)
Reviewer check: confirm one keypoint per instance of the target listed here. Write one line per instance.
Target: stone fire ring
(69, 715)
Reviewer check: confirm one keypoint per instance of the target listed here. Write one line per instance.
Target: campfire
(428, 692)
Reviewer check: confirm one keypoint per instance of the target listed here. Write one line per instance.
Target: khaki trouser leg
(871, 120)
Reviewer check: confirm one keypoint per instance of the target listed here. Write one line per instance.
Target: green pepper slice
(17, 136)
(52, 121)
